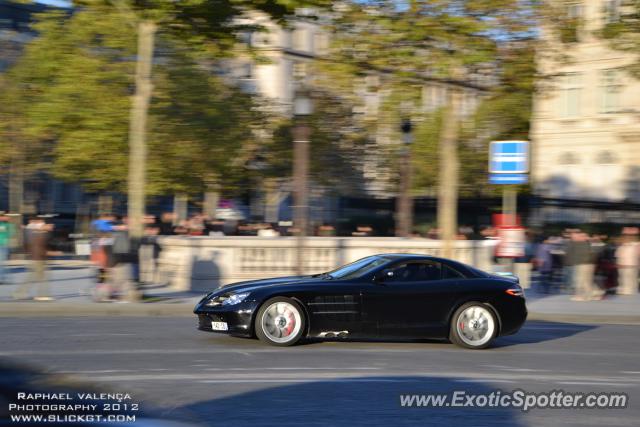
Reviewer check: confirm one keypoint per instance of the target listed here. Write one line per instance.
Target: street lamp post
(302, 108)
(404, 202)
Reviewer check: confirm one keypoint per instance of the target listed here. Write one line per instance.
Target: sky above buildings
(61, 3)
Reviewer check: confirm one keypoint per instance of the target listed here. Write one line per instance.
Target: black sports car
(380, 296)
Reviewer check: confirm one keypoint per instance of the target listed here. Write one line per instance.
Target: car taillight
(515, 291)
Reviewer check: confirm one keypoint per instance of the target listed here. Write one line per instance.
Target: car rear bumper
(513, 314)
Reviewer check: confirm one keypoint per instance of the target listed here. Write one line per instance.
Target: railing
(203, 263)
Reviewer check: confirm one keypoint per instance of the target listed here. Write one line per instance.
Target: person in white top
(628, 260)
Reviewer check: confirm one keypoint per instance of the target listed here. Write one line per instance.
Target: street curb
(603, 319)
(44, 309)
(181, 309)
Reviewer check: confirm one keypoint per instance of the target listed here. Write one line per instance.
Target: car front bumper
(239, 318)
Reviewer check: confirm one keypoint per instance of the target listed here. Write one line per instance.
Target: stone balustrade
(205, 263)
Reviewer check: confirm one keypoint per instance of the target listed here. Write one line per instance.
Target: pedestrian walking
(102, 258)
(628, 260)
(6, 233)
(100, 246)
(124, 273)
(36, 245)
(568, 264)
(149, 254)
(104, 223)
(522, 265)
(166, 224)
(544, 264)
(580, 252)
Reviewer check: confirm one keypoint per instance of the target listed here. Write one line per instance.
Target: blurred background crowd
(572, 261)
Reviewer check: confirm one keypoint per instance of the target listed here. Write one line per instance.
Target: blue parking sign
(509, 157)
(508, 178)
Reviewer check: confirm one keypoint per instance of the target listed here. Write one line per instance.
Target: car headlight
(235, 299)
(232, 299)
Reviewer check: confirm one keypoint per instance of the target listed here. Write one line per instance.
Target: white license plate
(219, 326)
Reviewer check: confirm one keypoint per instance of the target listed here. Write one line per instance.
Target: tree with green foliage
(504, 113)
(69, 96)
(394, 49)
(334, 152)
(622, 28)
(81, 101)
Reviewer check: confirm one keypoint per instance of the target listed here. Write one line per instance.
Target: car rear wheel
(473, 325)
(280, 321)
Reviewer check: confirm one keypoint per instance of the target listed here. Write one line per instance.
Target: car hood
(252, 285)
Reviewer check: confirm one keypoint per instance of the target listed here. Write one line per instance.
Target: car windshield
(357, 268)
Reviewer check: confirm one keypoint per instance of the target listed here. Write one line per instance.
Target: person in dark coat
(36, 241)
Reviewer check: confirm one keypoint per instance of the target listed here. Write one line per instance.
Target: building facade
(585, 130)
(15, 30)
(283, 55)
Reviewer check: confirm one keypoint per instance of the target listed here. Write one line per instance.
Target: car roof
(408, 256)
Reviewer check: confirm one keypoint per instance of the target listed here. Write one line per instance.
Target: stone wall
(204, 263)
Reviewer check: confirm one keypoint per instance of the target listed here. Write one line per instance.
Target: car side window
(451, 273)
(416, 272)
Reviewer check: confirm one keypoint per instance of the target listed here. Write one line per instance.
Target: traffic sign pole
(509, 205)
(509, 166)
(509, 212)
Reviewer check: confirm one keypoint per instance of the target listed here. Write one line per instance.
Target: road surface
(167, 365)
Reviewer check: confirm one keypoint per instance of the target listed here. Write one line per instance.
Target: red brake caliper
(291, 322)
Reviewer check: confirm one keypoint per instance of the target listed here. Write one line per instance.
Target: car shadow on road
(541, 331)
(532, 332)
(354, 401)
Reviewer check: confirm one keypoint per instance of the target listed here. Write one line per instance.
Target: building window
(605, 158)
(245, 37)
(428, 98)
(321, 43)
(299, 71)
(468, 103)
(570, 95)
(610, 89)
(611, 11)
(570, 30)
(433, 97)
(568, 158)
(245, 70)
(299, 39)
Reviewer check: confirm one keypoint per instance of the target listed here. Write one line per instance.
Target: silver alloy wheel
(475, 325)
(281, 322)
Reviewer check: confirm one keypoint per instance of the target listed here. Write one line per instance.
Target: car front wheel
(280, 321)
(473, 325)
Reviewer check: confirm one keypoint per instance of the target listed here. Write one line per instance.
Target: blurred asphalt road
(165, 363)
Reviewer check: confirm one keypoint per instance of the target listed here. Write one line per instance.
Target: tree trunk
(404, 203)
(105, 204)
(448, 175)
(211, 200)
(138, 129)
(16, 200)
(272, 199)
(16, 186)
(180, 208)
